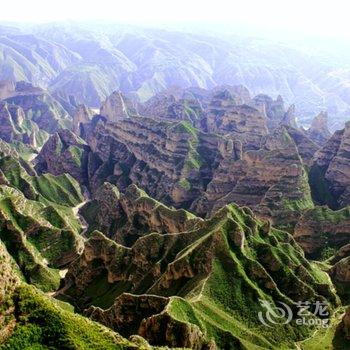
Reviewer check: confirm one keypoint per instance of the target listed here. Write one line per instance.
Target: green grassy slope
(42, 324)
(37, 221)
(214, 275)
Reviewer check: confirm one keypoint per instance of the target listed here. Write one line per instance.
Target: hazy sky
(301, 16)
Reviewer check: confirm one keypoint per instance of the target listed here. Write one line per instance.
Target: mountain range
(165, 224)
(87, 62)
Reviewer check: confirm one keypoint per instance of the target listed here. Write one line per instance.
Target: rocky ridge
(142, 266)
(329, 174)
(318, 131)
(182, 273)
(272, 181)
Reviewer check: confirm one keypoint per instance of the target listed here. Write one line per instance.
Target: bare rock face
(223, 110)
(234, 161)
(176, 333)
(177, 164)
(64, 153)
(238, 93)
(126, 217)
(10, 128)
(7, 89)
(160, 286)
(330, 171)
(117, 106)
(173, 162)
(103, 210)
(14, 125)
(289, 118)
(82, 115)
(146, 315)
(342, 253)
(345, 324)
(167, 106)
(273, 109)
(9, 280)
(321, 228)
(318, 131)
(128, 311)
(272, 181)
(25, 88)
(340, 275)
(6, 150)
(306, 147)
(28, 114)
(40, 107)
(243, 123)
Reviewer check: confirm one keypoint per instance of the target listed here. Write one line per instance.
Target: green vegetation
(330, 338)
(319, 187)
(190, 113)
(185, 127)
(77, 154)
(215, 276)
(327, 253)
(24, 151)
(41, 110)
(303, 203)
(185, 184)
(323, 213)
(33, 240)
(327, 222)
(62, 190)
(226, 308)
(38, 224)
(42, 324)
(193, 160)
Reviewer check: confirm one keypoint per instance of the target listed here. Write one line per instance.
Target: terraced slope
(173, 161)
(200, 285)
(321, 232)
(272, 181)
(29, 319)
(28, 115)
(126, 217)
(183, 166)
(64, 153)
(37, 221)
(330, 171)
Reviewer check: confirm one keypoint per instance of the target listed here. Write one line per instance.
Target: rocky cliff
(330, 171)
(242, 123)
(37, 222)
(177, 281)
(172, 161)
(64, 152)
(273, 109)
(124, 217)
(321, 231)
(28, 115)
(40, 107)
(318, 131)
(117, 106)
(187, 167)
(39, 238)
(82, 114)
(223, 110)
(272, 181)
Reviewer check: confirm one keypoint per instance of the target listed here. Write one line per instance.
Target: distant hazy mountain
(89, 62)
